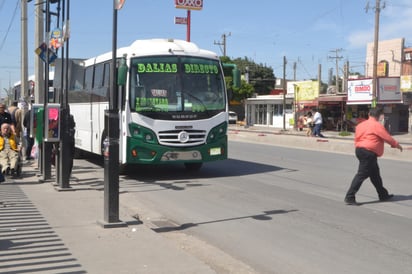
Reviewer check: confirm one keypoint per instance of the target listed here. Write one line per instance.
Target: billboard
(389, 90)
(189, 4)
(305, 90)
(406, 83)
(360, 91)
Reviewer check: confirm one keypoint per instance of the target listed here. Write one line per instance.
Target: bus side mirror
(236, 77)
(122, 72)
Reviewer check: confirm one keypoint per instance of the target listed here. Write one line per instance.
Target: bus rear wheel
(193, 166)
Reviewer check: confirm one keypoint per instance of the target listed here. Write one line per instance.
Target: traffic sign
(181, 20)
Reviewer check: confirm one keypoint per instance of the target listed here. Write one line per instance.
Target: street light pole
(24, 58)
(111, 153)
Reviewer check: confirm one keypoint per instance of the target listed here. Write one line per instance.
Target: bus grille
(175, 137)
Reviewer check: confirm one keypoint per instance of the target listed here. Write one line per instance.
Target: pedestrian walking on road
(318, 121)
(370, 137)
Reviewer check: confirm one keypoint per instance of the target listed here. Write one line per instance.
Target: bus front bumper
(157, 154)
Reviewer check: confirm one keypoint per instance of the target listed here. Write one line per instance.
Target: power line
(10, 24)
(2, 4)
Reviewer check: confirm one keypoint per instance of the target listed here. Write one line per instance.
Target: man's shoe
(386, 198)
(351, 201)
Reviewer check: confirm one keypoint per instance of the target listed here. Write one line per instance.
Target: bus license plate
(215, 151)
(181, 155)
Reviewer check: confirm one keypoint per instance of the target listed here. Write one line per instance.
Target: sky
(307, 33)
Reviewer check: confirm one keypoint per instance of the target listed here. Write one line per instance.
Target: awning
(334, 98)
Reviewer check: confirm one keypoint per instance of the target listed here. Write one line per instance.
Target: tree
(235, 93)
(261, 77)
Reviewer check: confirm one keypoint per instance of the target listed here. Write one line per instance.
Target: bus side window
(106, 80)
(98, 76)
(84, 96)
(88, 79)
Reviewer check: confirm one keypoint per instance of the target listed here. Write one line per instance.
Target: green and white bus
(173, 108)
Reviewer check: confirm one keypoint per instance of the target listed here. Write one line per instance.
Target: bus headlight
(217, 132)
(148, 137)
(142, 134)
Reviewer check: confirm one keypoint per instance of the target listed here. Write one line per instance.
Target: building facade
(346, 109)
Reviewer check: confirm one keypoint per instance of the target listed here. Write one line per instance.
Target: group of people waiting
(13, 124)
(313, 123)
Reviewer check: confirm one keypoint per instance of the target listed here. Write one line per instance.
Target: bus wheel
(123, 169)
(78, 154)
(193, 166)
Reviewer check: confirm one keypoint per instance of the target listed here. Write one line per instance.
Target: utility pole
(284, 92)
(345, 77)
(223, 42)
(337, 58)
(294, 71)
(38, 63)
(319, 77)
(375, 50)
(24, 59)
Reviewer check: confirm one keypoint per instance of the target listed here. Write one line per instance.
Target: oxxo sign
(189, 4)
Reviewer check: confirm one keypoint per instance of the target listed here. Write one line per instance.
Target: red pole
(188, 26)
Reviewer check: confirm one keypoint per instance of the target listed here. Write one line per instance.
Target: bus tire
(193, 166)
(78, 153)
(123, 168)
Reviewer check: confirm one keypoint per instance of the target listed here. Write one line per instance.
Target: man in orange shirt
(370, 137)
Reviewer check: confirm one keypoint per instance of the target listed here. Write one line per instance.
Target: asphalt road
(281, 210)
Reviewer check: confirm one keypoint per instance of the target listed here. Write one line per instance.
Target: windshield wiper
(198, 100)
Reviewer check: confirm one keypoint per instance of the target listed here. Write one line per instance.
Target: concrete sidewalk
(43, 230)
(332, 143)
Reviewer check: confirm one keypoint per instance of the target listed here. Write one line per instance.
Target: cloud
(395, 22)
(360, 39)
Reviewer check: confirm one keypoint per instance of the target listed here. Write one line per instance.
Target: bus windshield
(176, 87)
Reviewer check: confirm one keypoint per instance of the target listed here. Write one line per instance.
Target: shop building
(344, 110)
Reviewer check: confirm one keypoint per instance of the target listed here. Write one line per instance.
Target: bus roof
(169, 46)
(155, 47)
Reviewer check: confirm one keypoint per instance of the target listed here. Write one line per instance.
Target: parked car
(232, 117)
